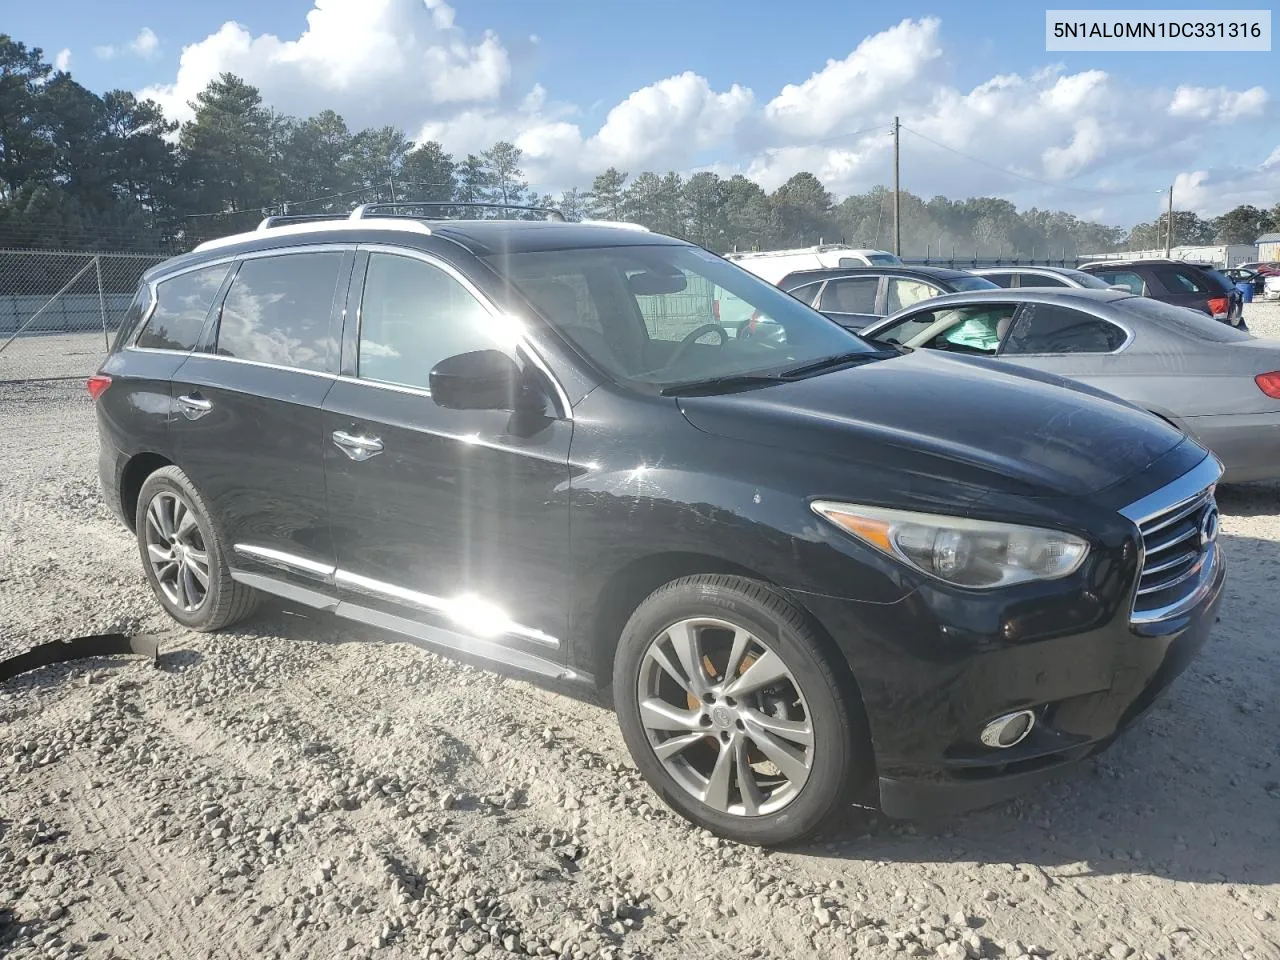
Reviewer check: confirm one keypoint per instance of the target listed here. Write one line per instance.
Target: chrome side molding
(474, 615)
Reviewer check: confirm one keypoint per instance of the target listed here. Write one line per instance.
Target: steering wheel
(683, 347)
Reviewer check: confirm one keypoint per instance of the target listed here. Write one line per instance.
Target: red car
(1268, 268)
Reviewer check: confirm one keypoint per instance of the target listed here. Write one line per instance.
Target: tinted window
(182, 304)
(278, 311)
(1042, 280)
(975, 329)
(905, 292)
(1179, 280)
(1123, 278)
(965, 284)
(1183, 320)
(850, 295)
(412, 316)
(1049, 328)
(1000, 279)
(1086, 279)
(806, 293)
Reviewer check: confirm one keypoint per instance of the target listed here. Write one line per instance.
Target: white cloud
(1085, 140)
(146, 44)
(1217, 103)
(881, 65)
(62, 62)
(374, 61)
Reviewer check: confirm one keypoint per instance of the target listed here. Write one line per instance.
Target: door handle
(357, 448)
(194, 406)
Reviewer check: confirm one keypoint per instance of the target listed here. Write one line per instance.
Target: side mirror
(481, 380)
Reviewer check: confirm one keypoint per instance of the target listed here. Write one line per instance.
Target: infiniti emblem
(1208, 527)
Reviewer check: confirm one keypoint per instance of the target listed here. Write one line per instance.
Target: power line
(1024, 176)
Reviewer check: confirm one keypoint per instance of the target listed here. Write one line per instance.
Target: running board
(438, 639)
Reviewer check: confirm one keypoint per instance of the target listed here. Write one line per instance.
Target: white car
(1271, 288)
(773, 265)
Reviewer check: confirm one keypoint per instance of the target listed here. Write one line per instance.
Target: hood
(945, 417)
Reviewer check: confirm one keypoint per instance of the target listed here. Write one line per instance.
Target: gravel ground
(284, 790)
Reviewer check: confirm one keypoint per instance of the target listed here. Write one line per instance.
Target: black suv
(855, 296)
(805, 570)
(1174, 281)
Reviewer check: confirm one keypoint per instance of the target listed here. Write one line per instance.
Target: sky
(734, 86)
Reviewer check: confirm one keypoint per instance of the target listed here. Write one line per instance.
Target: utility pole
(897, 206)
(1168, 233)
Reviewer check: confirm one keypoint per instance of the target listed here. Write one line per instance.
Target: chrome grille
(1179, 526)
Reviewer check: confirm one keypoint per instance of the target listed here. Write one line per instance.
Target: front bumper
(937, 666)
(1071, 730)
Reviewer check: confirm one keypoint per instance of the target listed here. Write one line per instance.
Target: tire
(169, 500)
(710, 745)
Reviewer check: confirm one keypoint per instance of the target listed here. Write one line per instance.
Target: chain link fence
(59, 310)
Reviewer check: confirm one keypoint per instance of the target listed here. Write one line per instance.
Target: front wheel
(734, 711)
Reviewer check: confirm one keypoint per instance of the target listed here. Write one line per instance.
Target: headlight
(967, 553)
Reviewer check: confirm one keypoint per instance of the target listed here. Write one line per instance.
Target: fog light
(1009, 730)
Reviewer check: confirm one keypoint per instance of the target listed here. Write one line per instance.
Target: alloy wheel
(725, 717)
(177, 552)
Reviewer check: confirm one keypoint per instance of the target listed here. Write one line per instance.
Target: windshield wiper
(727, 382)
(839, 360)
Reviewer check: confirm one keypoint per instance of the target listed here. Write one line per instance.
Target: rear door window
(850, 295)
(1005, 280)
(1041, 280)
(279, 310)
(1049, 328)
(182, 305)
(905, 292)
(1124, 278)
(1178, 280)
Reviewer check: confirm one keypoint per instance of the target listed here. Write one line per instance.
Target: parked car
(804, 570)
(1268, 268)
(1271, 287)
(1244, 275)
(1174, 281)
(1017, 277)
(773, 265)
(1219, 385)
(854, 297)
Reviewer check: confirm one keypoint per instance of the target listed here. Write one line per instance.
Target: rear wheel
(734, 712)
(183, 557)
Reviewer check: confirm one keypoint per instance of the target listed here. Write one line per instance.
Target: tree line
(79, 170)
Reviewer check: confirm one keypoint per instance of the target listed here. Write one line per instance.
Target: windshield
(658, 316)
(1182, 320)
(965, 284)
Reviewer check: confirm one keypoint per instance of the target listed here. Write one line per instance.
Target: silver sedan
(1219, 384)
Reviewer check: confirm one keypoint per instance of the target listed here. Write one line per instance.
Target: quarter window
(850, 295)
(412, 316)
(1048, 328)
(182, 304)
(806, 293)
(279, 311)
